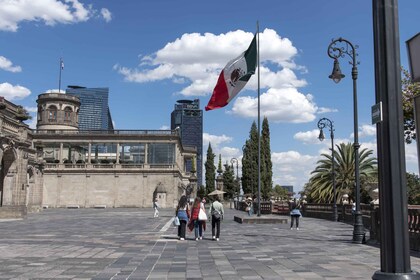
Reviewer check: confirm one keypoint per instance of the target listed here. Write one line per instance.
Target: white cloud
(11, 92)
(51, 12)
(323, 110)
(199, 59)
(55, 91)
(411, 158)
(215, 141)
(367, 130)
(278, 105)
(308, 137)
(195, 61)
(106, 14)
(7, 65)
(292, 168)
(33, 112)
(164, 127)
(31, 109)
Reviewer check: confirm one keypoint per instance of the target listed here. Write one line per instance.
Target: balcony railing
(103, 132)
(51, 166)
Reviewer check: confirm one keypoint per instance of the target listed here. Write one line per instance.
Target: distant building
(94, 110)
(188, 117)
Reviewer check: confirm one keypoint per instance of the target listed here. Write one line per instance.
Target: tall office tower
(94, 110)
(189, 118)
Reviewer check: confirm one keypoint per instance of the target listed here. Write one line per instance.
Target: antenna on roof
(59, 78)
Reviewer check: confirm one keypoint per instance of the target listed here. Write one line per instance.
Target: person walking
(195, 223)
(294, 213)
(155, 207)
(216, 211)
(249, 206)
(182, 212)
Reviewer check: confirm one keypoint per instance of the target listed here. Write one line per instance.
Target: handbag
(176, 221)
(202, 216)
(216, 214)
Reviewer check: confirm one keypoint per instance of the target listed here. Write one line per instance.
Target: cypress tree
(210, 170)
(246, 169)
(266, 163)
(229, 183)
(250, 162)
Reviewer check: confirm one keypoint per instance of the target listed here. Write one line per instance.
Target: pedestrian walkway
(131, 244)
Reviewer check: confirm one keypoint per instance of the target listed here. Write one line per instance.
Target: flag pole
(59, 77)
(259, 126)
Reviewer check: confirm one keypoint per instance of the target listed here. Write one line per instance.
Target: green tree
(246, 168)
(219, 166)
(409, 91)
(201, 192)
(413, 188)
(280, 193)
(229, 184)
(250, 162)
(210, 170)
(266, 164)
(320, 189)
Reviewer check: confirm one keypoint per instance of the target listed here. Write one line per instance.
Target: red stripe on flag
(220, 94)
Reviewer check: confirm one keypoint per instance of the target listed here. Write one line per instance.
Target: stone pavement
(131, 244)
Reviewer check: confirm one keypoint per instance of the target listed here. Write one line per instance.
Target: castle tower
(58, 111)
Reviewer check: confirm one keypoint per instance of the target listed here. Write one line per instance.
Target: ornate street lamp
(340, 48)
(322, 123)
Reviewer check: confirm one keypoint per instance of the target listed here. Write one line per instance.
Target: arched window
(52, 113)
(67, 114)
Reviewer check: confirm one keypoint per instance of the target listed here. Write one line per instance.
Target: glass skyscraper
(94, 110)
(189, 118)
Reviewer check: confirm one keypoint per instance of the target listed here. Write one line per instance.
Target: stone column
(219, 184)
(89, 151)
(60, 156)
(117, 154)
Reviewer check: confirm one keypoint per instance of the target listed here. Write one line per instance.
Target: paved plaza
(131, 244)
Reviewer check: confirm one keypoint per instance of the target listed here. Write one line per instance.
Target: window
(52, 113)
(161, 153)
(67, 114)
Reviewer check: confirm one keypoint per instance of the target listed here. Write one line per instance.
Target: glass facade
(94, 110)
(189, 118)
(161, 153)
(129, 154)
(132, 153)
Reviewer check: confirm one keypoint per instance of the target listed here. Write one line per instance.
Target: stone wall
(108, 189)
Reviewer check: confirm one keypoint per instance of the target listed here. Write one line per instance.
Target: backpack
(215, 213)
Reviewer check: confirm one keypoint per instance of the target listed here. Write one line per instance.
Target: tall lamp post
(340, 48)
(322, 123)
(237, 172)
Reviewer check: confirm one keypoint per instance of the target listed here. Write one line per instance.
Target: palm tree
(320, 189)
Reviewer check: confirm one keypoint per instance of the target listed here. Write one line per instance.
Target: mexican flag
(234, 77)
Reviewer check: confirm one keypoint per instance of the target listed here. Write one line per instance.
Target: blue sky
(152, 53)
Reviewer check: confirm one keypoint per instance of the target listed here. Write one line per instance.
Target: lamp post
(340, 48)
(237, 172)
(322, 123)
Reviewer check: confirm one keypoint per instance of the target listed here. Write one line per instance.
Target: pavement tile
(127, 244)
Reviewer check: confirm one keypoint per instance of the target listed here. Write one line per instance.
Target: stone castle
(58, 165)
